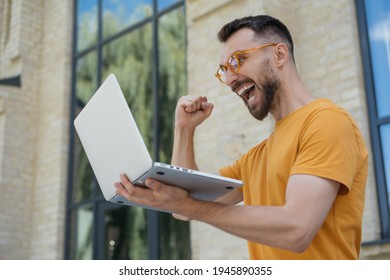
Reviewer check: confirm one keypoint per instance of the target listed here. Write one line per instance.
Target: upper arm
(329, 147)
(309, 198)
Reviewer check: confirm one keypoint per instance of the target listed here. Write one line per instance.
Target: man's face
(255, 82)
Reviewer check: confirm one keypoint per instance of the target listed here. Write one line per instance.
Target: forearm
(292, 226)
(183, 148)
(190, 112)
(231, 198)
(269, 225)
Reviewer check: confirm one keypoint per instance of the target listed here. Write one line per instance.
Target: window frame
(375, 124)
(153, 221)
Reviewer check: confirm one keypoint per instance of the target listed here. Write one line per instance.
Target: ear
(281, 54)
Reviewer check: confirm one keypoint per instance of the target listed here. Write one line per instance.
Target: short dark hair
(264, 26)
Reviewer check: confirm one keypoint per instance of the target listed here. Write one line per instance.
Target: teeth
(243, 89)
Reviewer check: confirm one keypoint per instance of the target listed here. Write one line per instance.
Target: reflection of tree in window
(172, 84)
(130, 58)
(87, 25)
(123, 14)
(85, 87)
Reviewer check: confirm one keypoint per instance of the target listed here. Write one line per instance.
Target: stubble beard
(268, 89)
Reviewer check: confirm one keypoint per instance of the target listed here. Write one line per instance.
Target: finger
(194, 103)
(131, 189)
(186, 104)
(190, 105)
(180, 217)
(187, 99)
(207, 107)
(198, 100)
(120, 189)
(192, 98)
(125, 181)
(131, 192)
(152, 184)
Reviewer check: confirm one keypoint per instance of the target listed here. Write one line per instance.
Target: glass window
(172, 80)
(143, 43)
(125, 234)
(86, 81)
(385, 139)
(378, 21)
(120, 14)
(163, 4)
(87, 23)
(86, 78)
(82, 233)
(374, 24)
(172, 83)
(83, 179)
(130, 58)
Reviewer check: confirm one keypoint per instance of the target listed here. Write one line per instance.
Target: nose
(231, 77)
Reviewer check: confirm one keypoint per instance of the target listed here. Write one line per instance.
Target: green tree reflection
(130, 58)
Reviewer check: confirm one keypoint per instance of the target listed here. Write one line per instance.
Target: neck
(291, 96)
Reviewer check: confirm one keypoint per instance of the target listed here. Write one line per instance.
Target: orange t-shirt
(318, 139)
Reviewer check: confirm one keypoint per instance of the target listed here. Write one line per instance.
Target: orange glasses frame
(224, 68)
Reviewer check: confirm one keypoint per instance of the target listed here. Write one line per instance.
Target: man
(304, 186)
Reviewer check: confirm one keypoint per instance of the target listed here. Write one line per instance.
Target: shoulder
(330, 119)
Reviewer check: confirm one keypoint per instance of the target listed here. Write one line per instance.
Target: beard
(268, 89)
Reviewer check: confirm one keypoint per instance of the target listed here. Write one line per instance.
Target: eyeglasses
(235, 61)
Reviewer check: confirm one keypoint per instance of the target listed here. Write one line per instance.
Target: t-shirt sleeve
(329, 148)
(232, 171)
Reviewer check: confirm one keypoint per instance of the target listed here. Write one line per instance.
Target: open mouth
(245, 91)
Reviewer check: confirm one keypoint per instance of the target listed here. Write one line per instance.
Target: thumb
(152, 184)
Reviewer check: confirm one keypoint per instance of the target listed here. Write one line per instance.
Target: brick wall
(53, 126)
(34, 128)
(328, 57)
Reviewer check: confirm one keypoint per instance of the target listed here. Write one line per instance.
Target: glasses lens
(233, 64)
(221, 74)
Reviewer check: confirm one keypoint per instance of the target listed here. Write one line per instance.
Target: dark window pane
(125, 234)
(378, 21)
(87, 23)
(82, 233)
(175, 238)
(119, 14)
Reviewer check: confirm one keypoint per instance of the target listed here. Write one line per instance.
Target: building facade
(50, 65)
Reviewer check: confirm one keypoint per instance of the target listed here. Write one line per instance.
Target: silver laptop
(114, 145)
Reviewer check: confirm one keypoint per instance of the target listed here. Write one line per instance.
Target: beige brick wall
(34, 127)
(53, 126)
(328, 57)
